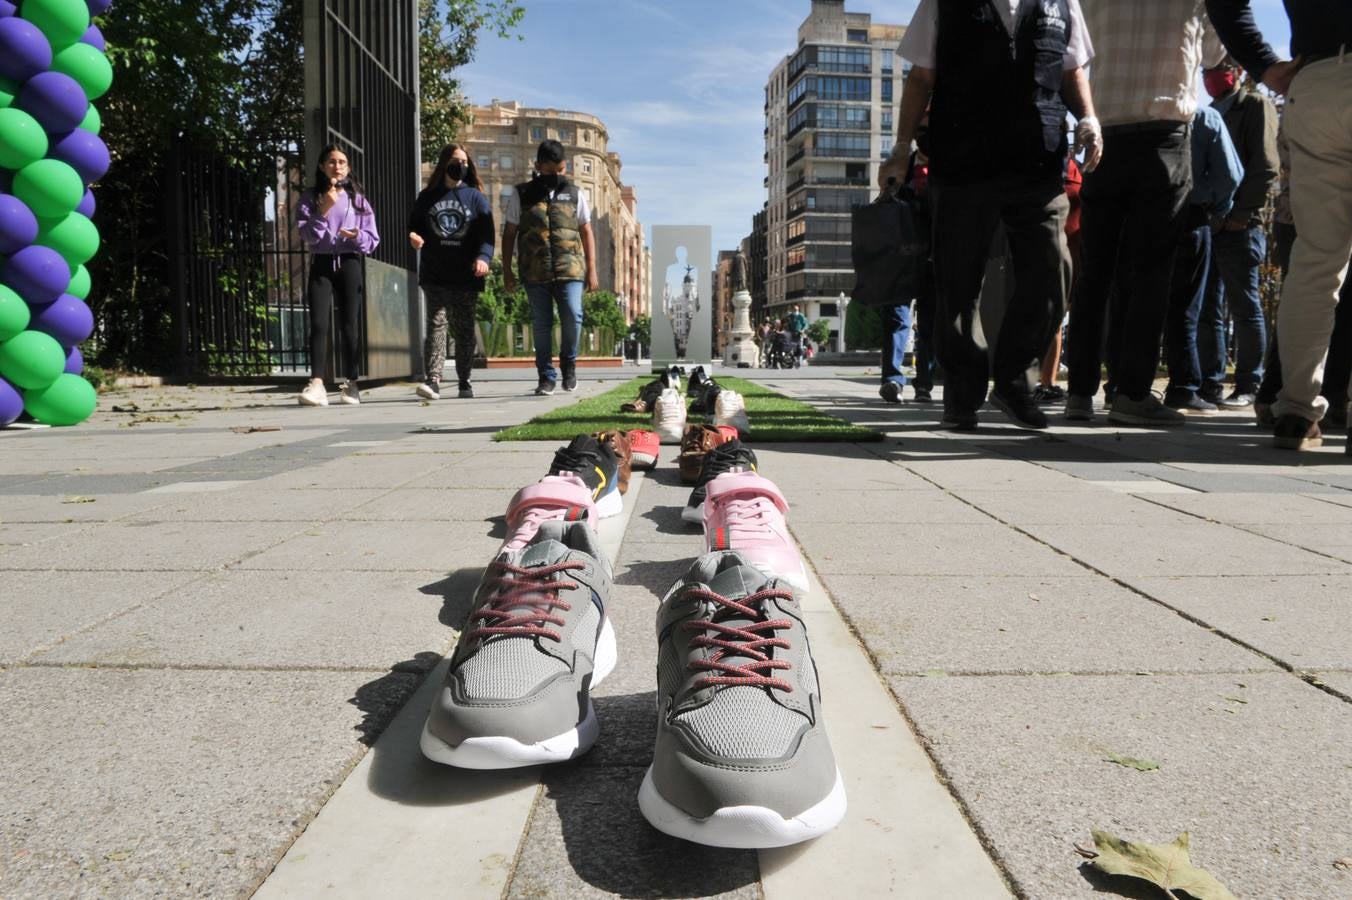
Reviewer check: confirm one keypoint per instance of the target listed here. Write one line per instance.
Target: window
(537, 133)
(566, 136)
(887, 121)
(889, 54)
(797, 228)
(584, 165)
(857, 35)
(835, 143)
(797, 256)
(585, 135)
(828, 256)
(485, 162)
(887, 90)
(828, 309)
(823, 229)
(844, 59)
(837, 88)
(506, 162)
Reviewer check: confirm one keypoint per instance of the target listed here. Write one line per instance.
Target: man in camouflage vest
(550, 218)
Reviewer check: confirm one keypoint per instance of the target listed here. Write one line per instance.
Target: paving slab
(995, 474)
(448, 505)
(221, 768)
(1300, 620)
(152, 546)
(1088, 624)
(989, 549)
(1264, 509)
(908, 509)
(1339, 681)
(234, 505)
(506, 476)
(1257, 773)
(13, 536)
(36, 508)
(377, 546)
(1071, 507)
(356, 472)
(1327, 538)
(283, 620)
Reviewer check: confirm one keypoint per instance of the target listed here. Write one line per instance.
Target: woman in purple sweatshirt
(338, 225)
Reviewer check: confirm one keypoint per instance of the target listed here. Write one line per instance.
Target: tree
(599, 310)
(819, 332)
(448, 36)
(642, 328)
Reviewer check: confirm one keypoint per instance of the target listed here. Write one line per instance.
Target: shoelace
(749, 518)
(526, 603)
(566, 460)
(749, 641)
(530, 523)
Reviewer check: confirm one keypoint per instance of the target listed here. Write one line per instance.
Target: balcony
(796, 239)
(857, 181)
(795, 185)
(797, 157)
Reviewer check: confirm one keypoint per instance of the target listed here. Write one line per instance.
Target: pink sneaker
(564, 497)
(644, 446)
(745, 512)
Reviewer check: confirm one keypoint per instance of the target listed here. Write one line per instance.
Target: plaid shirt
(1146, 57)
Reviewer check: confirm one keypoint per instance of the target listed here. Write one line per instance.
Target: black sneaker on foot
(466, 392)
(1296, 433)
(1189, 402)
(960, 420)
(923, 395)
(1049, 394)
(570, 383)
(890, 391)
(1021, 408)
(544, 388)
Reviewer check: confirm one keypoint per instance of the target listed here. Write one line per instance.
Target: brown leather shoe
(697, 441)
(634, 406)
(619, 442)
(1296, 433)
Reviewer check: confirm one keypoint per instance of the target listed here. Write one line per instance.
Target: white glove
(1089, 138)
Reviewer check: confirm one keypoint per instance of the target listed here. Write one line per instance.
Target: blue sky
(680, 86)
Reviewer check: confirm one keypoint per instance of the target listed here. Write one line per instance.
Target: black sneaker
(707, 398)
(1021, 408)
(723, 458)
(1049, 394)
(544, 388)
(466, 392)
(923, 395)
(429, 390)
(698, 378)
(672, 378)
(890, 391)
(960, 420)
(570, 383)
(595, 463)
(1189, 402)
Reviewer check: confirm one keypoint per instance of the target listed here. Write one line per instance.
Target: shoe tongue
(547, 547)
(737, 580)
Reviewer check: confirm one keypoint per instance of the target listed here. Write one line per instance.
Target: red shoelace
(747, 641)
(526, 604)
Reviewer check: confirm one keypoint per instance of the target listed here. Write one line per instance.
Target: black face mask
(550, 181)
(922, 142)
(456, 170)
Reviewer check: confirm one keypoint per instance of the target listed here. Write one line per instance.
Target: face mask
(1219, 82)
(922, 142)
(550, 181)
(456, 170)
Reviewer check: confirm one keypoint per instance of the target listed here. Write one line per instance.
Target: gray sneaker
(1148, 412)
(537, 641)
(1079, 408)
(742, 758)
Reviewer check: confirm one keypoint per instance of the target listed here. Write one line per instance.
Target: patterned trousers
(454, 308)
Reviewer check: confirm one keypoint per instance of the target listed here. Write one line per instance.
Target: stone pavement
(210, 636)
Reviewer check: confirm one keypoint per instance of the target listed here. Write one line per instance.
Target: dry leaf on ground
(1140, 765)
(1167, 866)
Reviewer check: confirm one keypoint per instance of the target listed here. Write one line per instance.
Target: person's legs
(1035, 225)
(462, 321)
(896, 322)
(541, 300)
(1319, 130)
(965, 219)
(349, 318)
(1191, 263)
(1103, 212)
(320, 298)
(925, 361)
(1238, 256)
(568, 296)
(434, 346)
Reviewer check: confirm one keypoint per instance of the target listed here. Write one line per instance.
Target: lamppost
(842, 304)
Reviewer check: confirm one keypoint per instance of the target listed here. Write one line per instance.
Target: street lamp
(842, 304)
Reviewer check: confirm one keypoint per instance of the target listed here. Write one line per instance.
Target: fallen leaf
(1345, 863)
(1269, 618)
(1140, 765)
(1235, 699)
(78, 500)
(1166, 866)
(1035, 597)
(251, 429)
(117, 855)
(128, 407)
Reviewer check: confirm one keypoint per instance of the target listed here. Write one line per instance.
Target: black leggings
(340, 278)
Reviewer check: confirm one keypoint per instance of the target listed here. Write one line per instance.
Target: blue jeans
(543, 298)
(1191, 264)
(1237, 256)
(896, 322)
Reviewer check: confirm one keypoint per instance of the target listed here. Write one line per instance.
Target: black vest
(997, 107)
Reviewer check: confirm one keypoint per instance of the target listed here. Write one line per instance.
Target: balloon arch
(52, 68)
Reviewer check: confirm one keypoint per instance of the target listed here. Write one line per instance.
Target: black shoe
(1188, 402)
(707, 399)
(591, 460)
(698, 378)
(672, 377)
(544, 388)
(1021, 409)
(960, 420)
(1049, 394)
(923, 395)
(723, 458)
(1240, 398)
(1295, 433)
(1211, 394)
(890, 391)
(570, 383)
(466, 392)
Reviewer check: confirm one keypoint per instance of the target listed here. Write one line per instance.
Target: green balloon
(93, 122)
(8, 91)
(50, 188)
(14, 315)
(79, 283)
(68, 400)
(74, 237)
(63, 21)
(31, 360)
(87, 66)
(22, 139)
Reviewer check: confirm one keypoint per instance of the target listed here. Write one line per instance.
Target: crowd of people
(1158, 230)
(783, 343)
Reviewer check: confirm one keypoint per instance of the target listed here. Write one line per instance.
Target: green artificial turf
(773, 417)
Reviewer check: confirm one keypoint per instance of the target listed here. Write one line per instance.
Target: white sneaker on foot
(314, 395)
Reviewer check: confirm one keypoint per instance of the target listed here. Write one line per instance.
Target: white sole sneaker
(612, 504)
(798, 579)
(742, 827)
(694, 515)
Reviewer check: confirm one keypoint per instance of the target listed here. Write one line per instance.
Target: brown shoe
(619, 442)
(1296, 433)
(697, 441)
(634, 406)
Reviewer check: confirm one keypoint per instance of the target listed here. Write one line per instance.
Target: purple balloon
(83, 151)
(67, 319)
(37, 274)
(75, 361)
(94, 38)
(53, 98)
(18, 225)
(11, 403)
(87, 205)
(7, 9)
(98, 7)
(24, 51)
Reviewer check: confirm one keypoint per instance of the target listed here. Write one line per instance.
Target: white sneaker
(730, 409)
(429, 390)
(314, 395)
(669, 416)
(350, 394)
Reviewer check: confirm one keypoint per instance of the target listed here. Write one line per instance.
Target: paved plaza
(225, 616)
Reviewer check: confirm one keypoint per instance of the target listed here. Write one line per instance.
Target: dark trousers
(1185, 304)
(1033, 212)
(1130, 223)
(335, 280)
(923, 323)
(1236, 257)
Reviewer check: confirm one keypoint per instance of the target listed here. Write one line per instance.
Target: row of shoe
(670, 410)
(741, 757)
(316, 394)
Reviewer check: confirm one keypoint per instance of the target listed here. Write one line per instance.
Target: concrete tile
(1339, 681)
(1265, 509)
(1332, 539)
(905, 508)
(369, 620)
(41, 608)
(507, 477)
(74, 508)
(654, 566)
(1069, 507)
(991, 549)
(1300, 620)
(37, 533)
(177, 546)
(259, 506)
(468, 505)
(995, 475)
(585, 814)
(1191, 548)
(356, 472)
(376, 546)
(1088, 624)
(222, 769)
(1261, 785)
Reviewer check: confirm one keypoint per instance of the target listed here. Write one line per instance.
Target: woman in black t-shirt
(452, 224)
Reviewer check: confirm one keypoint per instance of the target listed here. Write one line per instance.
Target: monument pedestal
(741, 348)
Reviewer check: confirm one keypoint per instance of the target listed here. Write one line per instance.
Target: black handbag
(889, 247)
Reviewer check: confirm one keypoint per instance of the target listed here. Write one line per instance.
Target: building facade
(503, 139)
(755, 249)
(829, 110)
